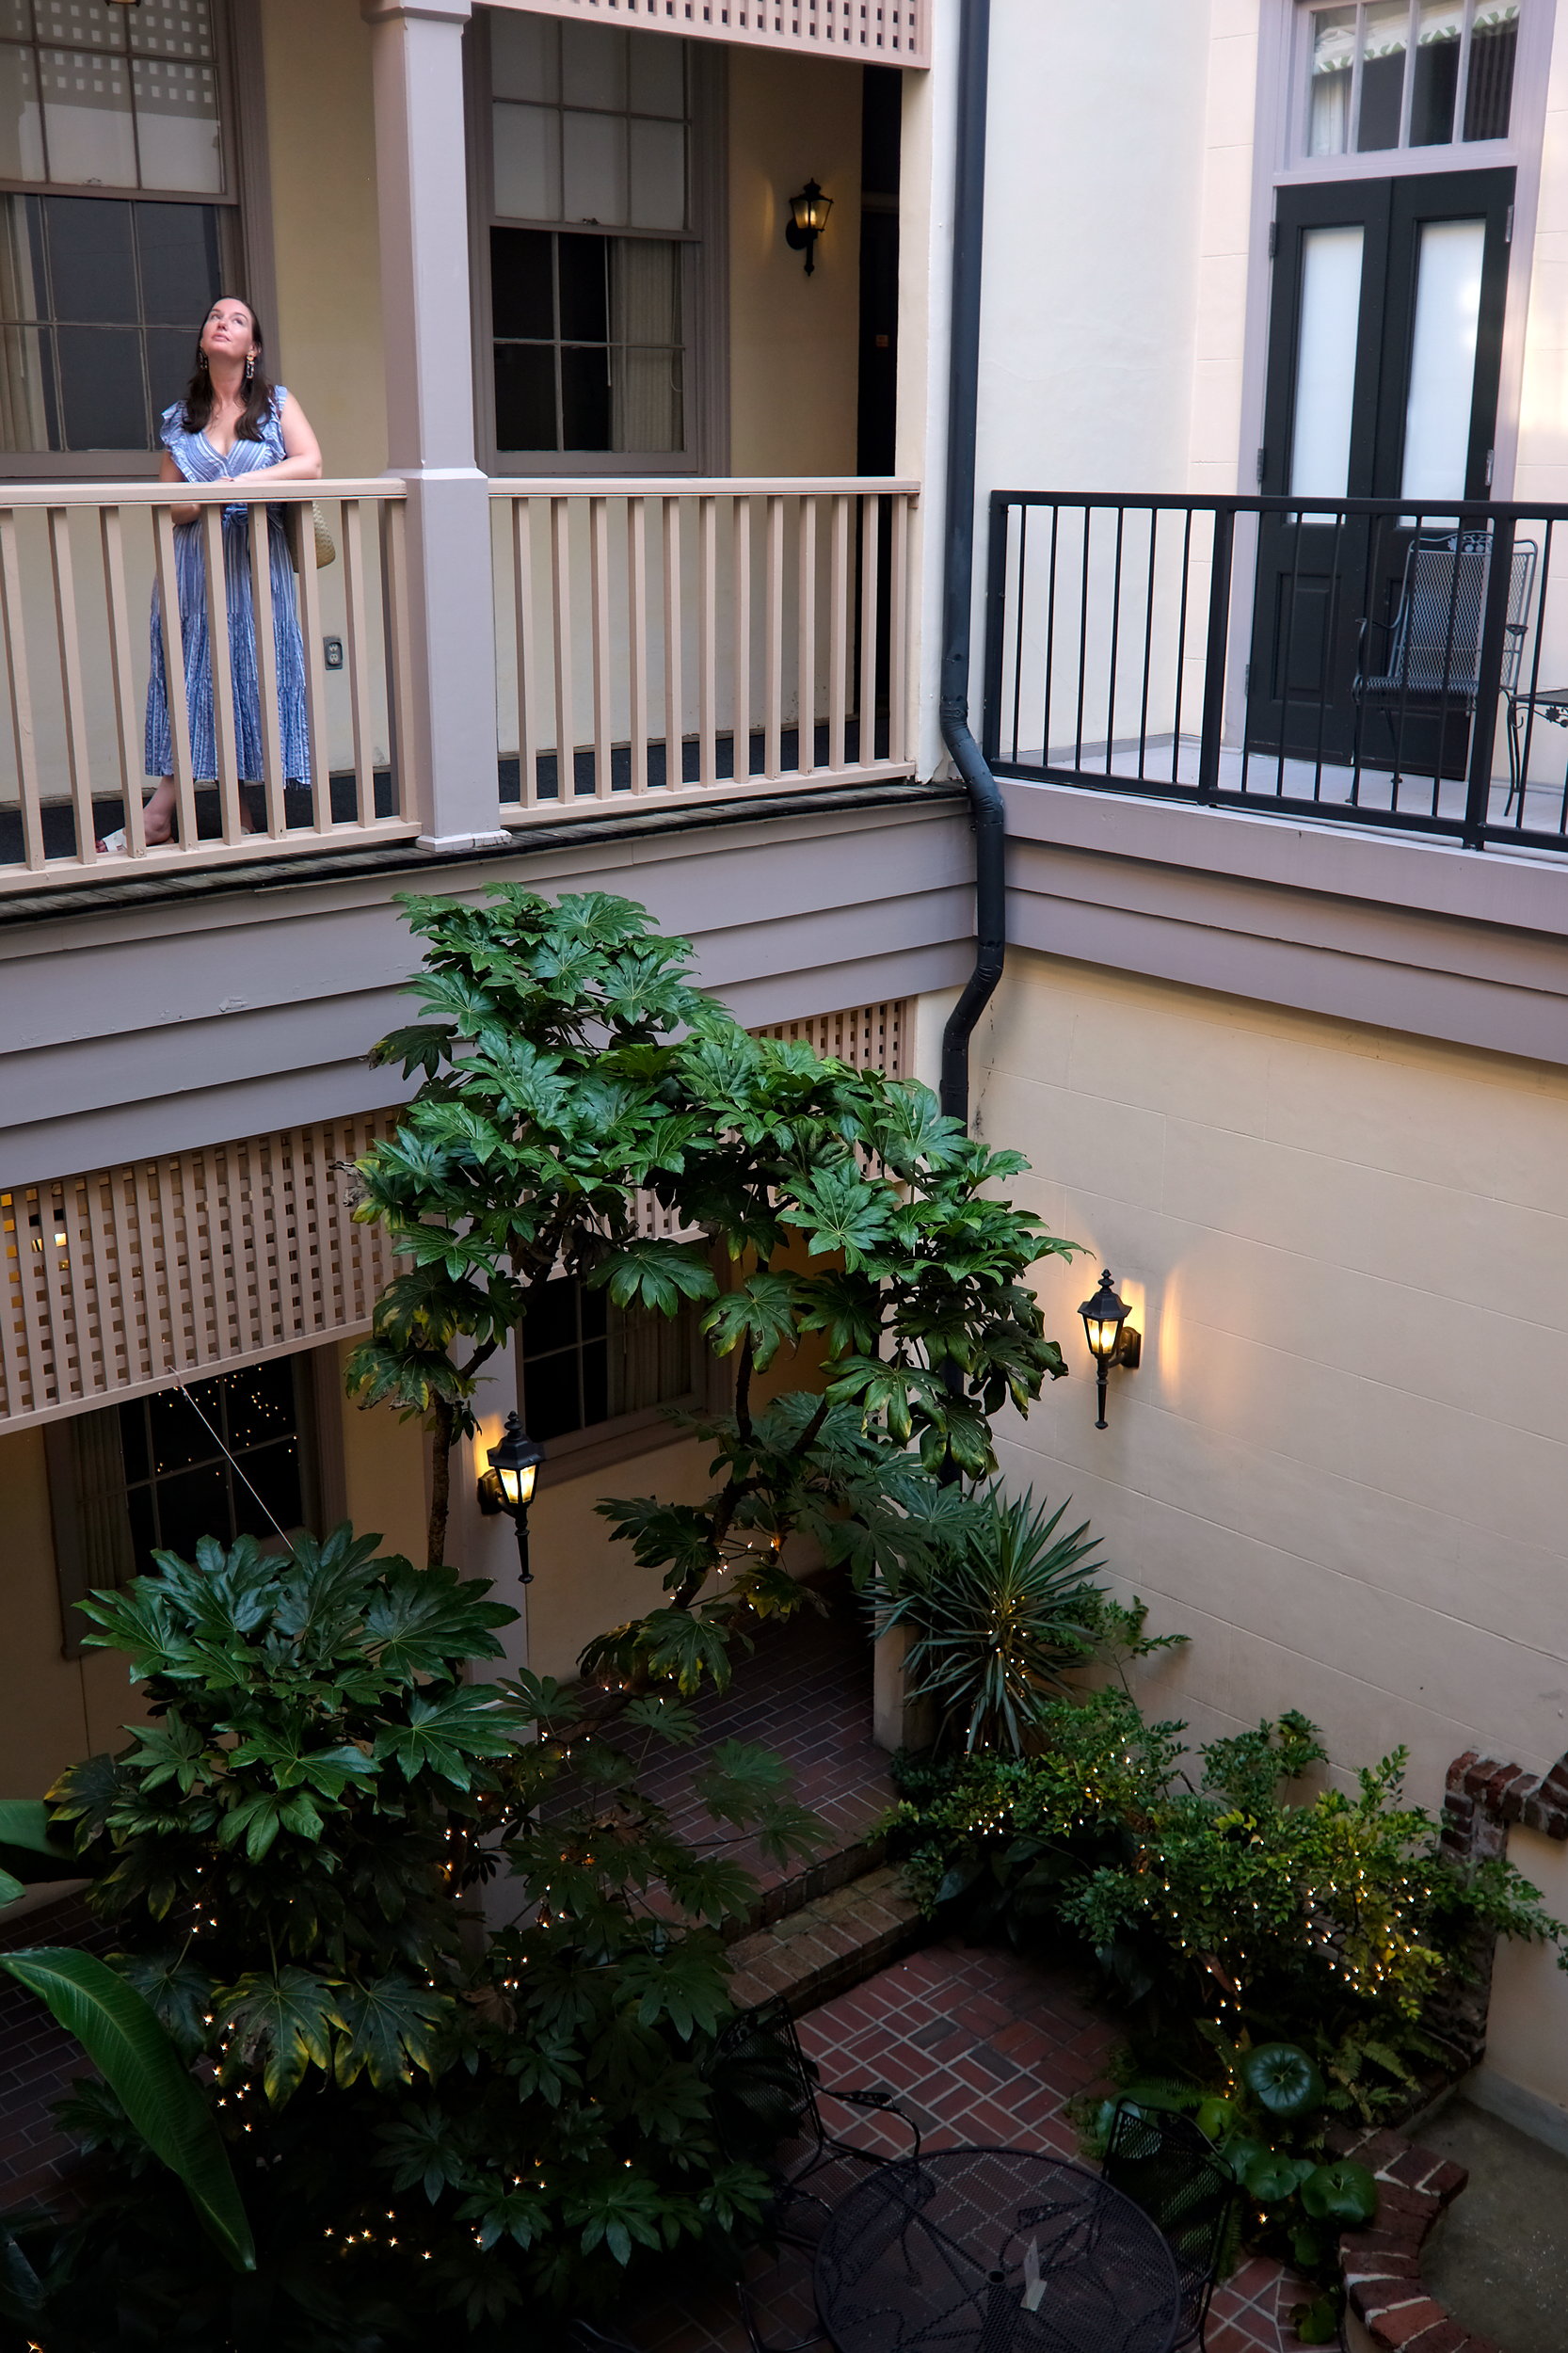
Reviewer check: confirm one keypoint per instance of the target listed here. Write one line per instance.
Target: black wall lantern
(508, 1485)
(808, 212)
(1111, 1338)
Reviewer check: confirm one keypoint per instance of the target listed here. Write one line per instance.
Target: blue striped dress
(199, 461)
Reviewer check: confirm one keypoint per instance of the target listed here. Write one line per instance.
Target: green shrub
(1332, 1923)
(431, 2132)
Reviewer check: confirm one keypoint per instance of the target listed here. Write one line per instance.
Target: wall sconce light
(808, 212)
(1111, 1338)
(508, 1485)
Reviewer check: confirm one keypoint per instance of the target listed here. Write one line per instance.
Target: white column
(421, 199)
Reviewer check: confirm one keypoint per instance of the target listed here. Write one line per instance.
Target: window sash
(1373, 37)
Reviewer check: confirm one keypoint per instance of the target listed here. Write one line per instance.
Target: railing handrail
(224, 493)
(702, 485)
(1288, 502)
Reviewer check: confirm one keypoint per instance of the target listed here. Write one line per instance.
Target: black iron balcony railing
(1364, 662)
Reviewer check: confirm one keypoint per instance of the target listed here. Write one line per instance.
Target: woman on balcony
(232, 424)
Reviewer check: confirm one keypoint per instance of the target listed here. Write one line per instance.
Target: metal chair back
(1166, 2166)
(1434, 644)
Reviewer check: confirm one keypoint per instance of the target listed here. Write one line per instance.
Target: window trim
(704, 292)
(1526, 116)
(246, 229)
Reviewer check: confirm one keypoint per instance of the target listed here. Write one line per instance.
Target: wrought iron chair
(1166, 2166)
(765, 2109)
(1433, 663)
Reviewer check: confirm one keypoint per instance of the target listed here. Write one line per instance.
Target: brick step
(829, 1943)
(829, 1872)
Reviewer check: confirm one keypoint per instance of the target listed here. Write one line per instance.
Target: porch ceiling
(879, 32)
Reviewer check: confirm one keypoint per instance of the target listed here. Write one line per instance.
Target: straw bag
(326, 546)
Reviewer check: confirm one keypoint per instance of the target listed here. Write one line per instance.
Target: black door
(1385, 345)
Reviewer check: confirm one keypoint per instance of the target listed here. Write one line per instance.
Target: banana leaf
(122, 2035)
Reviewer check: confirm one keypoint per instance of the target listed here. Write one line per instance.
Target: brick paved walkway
(980, 2047)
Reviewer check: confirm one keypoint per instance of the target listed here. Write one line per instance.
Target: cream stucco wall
(321, 142)
(1343, 1467)
(794, 340)
(1526, 2039)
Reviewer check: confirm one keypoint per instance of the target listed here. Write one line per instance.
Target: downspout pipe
(987, 815)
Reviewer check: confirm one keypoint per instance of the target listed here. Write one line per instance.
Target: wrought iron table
(993, 2251)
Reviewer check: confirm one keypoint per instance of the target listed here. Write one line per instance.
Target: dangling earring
(249, 366)
(201, 362)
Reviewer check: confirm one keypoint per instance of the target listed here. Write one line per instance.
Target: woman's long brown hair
(258, 392)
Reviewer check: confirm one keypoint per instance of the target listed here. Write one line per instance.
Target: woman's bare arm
(303, 462)
(170, 471)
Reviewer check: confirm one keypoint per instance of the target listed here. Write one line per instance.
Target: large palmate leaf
(121, 2036)
(285, 2022)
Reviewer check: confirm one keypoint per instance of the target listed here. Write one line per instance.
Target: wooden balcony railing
(656, 642)
(665, 641)
(78, 563)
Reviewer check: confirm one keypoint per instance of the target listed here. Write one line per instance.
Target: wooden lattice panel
(125, 1279)
(884, 32)
(868, 1037)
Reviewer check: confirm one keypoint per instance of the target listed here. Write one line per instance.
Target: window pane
(91, 272)
(22, 282)
(658, 189)
(593, 66)
(527, 149)
(21, 121)
(593, 167)
(176, 125)
(1432, 107)
(585, 398)
(82, 23)
(522, 287)
(525, 58)
(173, 28)
(645, 279)
(1385, 37)
(596, 1383)
(144, 1532)
(550, 1319)
(170, 355)
(177, 245)
(647, 401)
(259, 1402)
(192, 1506)
(525, 397)
(274, 1474)
(16, 20)
(550, 1398)
(1489, 85)
(86, 118)
(1325, 361)
(1443, 360)
(23, 413)
(584, 293)
(178, 1435)
(1332, 73)
(132, 1438)
(658, 75)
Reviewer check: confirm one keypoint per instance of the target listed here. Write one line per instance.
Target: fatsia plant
(572, 1076)
(427, 2129)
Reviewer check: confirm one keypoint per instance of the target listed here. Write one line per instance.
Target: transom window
(1384, 75)
(590, 237)
(115, 212)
